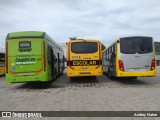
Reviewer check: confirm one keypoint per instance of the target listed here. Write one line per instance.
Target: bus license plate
(84, 69)
(26, 74)
(137, 70)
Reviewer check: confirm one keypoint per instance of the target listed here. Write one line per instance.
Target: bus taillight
(153, 64)
(69, 65)
(121, 66)
(99, 64)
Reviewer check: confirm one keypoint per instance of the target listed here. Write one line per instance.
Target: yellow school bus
(2, 63)
(84, 58)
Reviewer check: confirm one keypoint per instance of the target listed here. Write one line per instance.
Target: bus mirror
(66, 43)
(117, 41)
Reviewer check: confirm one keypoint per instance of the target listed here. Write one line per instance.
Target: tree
(157, 47)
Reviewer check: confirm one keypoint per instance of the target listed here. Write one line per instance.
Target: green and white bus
(32, 56)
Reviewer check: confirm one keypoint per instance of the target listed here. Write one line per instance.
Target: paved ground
(83, 94)
(158, 70)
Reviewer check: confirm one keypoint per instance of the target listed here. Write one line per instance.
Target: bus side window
(112, 48)
(49, 54)
(110, 53)
(107, 54)
(114, 51)
(113, 55)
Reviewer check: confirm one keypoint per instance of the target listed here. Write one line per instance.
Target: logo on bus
(84, 62)
(75, 57)
(24, 61)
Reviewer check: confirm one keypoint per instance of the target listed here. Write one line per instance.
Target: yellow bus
(130, 57)
(2, 63)
(84, 58)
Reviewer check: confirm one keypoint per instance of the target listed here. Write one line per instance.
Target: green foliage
(157, 47)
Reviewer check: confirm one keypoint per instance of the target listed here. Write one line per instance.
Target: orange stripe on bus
(39, 70)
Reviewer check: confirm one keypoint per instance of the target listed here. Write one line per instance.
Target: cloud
(105, 20)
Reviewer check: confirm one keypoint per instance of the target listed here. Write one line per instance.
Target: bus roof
(123, 38)
(84, 40)
(31, 34)
(25, 34)
(136, 37)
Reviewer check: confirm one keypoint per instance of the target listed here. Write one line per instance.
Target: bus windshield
(84, 47)
(132, 45)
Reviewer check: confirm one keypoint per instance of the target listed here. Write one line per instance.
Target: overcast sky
(105, 20)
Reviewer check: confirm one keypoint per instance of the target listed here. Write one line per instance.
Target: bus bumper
(72, 73)
(137, 74)
(41, 78)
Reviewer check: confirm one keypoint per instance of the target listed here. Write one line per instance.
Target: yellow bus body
(84, 64)
(2, 64)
